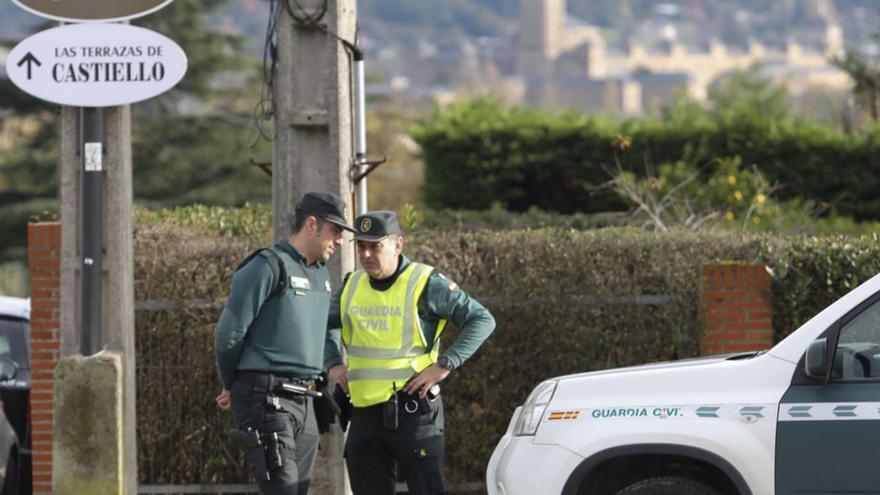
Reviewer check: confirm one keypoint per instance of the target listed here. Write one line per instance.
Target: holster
(251, 440)
(345, 407)
(326, 408)
(263, 451)
(273, 455)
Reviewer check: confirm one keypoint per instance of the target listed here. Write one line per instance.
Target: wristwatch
(445, 363)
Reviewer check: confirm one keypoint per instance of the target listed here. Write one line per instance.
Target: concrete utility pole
(312, 146)
(117, 271)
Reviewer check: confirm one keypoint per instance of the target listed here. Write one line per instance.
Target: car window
(858, 348)
(12, 341)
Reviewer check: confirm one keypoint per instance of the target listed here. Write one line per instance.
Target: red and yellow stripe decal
(560, 415)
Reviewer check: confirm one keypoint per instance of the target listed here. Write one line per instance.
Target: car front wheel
(668, 485)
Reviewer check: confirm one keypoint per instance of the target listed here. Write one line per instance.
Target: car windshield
(12, 341)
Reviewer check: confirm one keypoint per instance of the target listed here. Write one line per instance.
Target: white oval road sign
(96, 65)
(91, 10)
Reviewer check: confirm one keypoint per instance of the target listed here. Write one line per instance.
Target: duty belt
(275, 380)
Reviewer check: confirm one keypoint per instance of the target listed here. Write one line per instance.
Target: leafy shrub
(479, 152)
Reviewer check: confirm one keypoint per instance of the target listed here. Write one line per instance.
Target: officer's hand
(339, 374)
(422, 382)
(223, 400)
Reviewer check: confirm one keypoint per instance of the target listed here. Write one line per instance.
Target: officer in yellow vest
(391, 314)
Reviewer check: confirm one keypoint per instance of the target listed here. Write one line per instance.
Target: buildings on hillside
(562, 62)
(558, 61)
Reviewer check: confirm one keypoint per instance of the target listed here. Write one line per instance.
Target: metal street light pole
(92, 123)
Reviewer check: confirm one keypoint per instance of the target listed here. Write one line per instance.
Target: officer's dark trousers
(416, 446)
(296, 428)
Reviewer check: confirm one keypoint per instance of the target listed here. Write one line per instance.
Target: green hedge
(809, 273)
(500, 219)
(181, 435)
(563, 300)
(479, 153)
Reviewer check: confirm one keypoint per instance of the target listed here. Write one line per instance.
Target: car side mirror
(816, 359)
(8, 369)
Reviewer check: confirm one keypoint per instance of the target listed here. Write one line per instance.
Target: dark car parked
(15, 392)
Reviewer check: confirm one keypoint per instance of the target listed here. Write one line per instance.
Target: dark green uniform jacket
(441, 299)
(285, 333)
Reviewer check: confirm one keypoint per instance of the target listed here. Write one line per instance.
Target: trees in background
(190, 145)
(866, 80)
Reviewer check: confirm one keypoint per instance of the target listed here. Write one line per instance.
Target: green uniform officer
(272, 333)
(389, 316)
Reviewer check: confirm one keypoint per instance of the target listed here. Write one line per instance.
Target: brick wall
(736, 309)
(44, 260)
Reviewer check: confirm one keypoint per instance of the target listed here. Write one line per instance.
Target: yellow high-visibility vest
(383, 335)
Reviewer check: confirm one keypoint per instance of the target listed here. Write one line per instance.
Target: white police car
(803, 417)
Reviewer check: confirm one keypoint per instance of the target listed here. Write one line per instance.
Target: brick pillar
(44, 260)
(736, 309)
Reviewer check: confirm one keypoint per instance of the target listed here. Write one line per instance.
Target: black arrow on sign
(29, 59)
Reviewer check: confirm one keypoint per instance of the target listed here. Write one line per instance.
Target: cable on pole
(264, 110)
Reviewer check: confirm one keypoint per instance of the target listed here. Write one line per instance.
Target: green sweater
(441, 299)
(285, 333)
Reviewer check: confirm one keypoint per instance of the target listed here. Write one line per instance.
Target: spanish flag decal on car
(557, 415)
